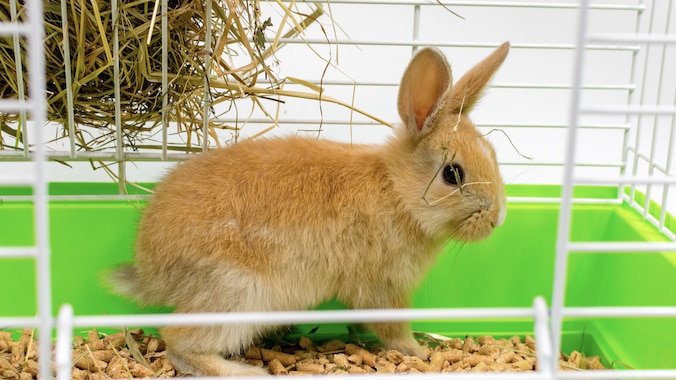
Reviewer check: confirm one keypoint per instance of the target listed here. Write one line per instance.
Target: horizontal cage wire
(582, 116)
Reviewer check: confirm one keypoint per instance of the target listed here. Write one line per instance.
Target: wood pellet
(134, 354)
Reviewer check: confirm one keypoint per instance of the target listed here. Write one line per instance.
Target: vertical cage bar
(639, 117)
(416, 27)
(69, 78)
(64, 345)
(36, 66)
(165, 78)
(630, 100)
(543, 337)
(206, 101)
(21, 93)
(656, 119)
(671, 146)
(565, 212)
(119, 149)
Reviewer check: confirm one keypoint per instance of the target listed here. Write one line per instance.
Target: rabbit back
(302, 218)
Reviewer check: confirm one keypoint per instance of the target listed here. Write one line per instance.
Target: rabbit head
(445, 169)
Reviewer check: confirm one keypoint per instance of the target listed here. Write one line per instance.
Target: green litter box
(509, 269)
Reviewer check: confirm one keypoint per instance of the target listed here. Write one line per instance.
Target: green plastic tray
(508, 270)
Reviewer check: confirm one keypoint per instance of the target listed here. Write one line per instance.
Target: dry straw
(237, 34)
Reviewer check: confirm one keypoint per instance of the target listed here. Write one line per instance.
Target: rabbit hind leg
(200, 350)
(211, 365)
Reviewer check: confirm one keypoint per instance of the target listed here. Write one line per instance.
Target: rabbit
(284, 223)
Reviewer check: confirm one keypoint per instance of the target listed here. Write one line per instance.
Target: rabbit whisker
(457, 244)
(455, 191)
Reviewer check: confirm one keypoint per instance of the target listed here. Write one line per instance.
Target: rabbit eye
(453, 174)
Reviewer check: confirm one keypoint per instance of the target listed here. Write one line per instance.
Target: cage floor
(508, 270)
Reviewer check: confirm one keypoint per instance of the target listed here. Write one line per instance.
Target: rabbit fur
(285, 223)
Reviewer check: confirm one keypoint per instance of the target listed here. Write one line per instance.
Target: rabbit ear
(467, 91)
(424, 87)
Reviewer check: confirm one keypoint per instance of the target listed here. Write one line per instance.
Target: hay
(237, 35)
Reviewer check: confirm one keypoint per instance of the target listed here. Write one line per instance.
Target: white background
(532, 116)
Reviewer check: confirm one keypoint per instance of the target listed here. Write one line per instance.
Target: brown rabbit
(286, 223)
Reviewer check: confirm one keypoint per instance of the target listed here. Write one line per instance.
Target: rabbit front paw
(409, 347)
(398, 336)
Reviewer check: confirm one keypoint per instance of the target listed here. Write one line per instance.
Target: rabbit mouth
(477, 226)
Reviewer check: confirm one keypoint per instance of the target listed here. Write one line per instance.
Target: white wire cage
(587, 91)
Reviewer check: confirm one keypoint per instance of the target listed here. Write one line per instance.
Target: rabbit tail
(124, 280)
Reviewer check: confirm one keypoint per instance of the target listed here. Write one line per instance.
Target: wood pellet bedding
(134, 354)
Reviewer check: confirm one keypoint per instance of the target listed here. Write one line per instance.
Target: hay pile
(233, 61)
